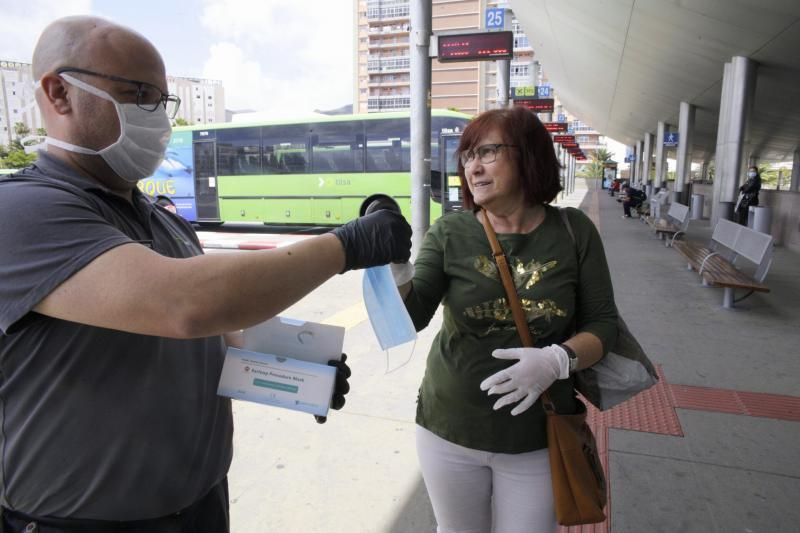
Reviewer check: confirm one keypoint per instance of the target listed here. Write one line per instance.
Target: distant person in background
(632, 198)
(748, 195)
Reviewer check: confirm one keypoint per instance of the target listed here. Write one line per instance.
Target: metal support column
(741, 95)
(639, 172)
(647, 158)
(795, 183)
(421, 24)
(718, 210)
(684, 159)
(503, 75)
(660, 159)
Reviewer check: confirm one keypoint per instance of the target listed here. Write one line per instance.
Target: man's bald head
(74, 53)
(88, 42)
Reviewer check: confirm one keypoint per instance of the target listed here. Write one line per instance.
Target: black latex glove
(340, 388)
(375, 239)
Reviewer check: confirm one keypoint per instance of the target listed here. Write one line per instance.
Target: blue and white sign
(562, 118)
(543, 91)
(495, 18)
(671, 139)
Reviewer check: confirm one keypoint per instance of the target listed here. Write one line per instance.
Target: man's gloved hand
(535, 370)
(340, 388)
(402, 272)
(376, 239)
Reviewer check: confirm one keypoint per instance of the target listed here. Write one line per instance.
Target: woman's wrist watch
(573, 358)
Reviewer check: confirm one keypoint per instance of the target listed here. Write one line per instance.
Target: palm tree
(595, 167)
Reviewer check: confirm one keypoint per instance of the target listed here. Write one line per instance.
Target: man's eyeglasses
(148, 96)
(485, 154)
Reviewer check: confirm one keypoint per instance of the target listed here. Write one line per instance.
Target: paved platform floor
(714, 447)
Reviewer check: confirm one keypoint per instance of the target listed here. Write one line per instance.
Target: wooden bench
(673, 225)
(719, 263)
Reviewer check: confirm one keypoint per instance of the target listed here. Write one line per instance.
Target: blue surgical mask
(751, 174)
(387, 313)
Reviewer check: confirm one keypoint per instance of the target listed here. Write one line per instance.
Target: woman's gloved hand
(524, 381)
(340, 388)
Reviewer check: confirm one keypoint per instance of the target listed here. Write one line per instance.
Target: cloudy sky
(282, 57)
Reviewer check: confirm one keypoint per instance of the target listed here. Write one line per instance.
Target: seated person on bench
(631, 198)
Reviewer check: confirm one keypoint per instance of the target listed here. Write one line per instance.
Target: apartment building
(17, 104)
(202, 101)
(382, 61)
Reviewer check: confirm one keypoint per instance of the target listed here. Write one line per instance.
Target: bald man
(113, 320)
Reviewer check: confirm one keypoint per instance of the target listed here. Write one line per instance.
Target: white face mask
(751, 174)
(142, 142)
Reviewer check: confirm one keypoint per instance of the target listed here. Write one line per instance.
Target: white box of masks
(284, 362)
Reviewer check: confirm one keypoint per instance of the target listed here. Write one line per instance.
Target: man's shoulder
(28, 184)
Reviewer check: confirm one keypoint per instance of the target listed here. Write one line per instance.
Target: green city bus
(311, 172)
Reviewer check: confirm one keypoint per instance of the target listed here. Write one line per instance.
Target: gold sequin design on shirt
(524, 276)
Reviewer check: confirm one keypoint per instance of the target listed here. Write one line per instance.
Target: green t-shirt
(564, 287)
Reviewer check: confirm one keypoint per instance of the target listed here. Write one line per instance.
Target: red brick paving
(653, 411)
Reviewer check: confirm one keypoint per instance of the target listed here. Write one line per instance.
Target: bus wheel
(376, 203)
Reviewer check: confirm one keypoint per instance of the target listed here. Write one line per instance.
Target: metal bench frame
(731, 241)
(676, 223)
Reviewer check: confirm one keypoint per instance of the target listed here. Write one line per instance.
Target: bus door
(205, 181)
(448, 163)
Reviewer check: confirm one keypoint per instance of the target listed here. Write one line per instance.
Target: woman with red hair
(481, 435)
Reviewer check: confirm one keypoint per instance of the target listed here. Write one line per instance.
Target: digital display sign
(476, 46)
(542, 105)
(561, 139)
(555, 127)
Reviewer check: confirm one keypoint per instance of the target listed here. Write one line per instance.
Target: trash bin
(762, 219)
(697, 206)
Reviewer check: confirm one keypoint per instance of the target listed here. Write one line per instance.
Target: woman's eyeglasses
(485, 154)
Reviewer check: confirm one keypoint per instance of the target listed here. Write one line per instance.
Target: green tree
(595, 167)
(181, 122)
(18, 159)
(41, 131)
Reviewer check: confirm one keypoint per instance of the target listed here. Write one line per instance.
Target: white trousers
(473, 491)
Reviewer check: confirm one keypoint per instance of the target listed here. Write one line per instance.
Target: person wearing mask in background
(481, 436)
(748, 195)
(113, 319)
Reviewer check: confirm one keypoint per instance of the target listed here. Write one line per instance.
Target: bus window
(388, 145)
(337, 147)
(239, 151)
(284, 149)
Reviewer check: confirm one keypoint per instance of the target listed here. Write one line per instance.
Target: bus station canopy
(623, 65)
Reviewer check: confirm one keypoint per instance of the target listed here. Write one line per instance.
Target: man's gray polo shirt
(97, 423)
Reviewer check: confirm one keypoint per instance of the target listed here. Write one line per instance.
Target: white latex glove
(402, 272)
(526, 380)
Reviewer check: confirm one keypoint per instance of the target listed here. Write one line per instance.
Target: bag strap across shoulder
(508, 283)
(512, 297)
